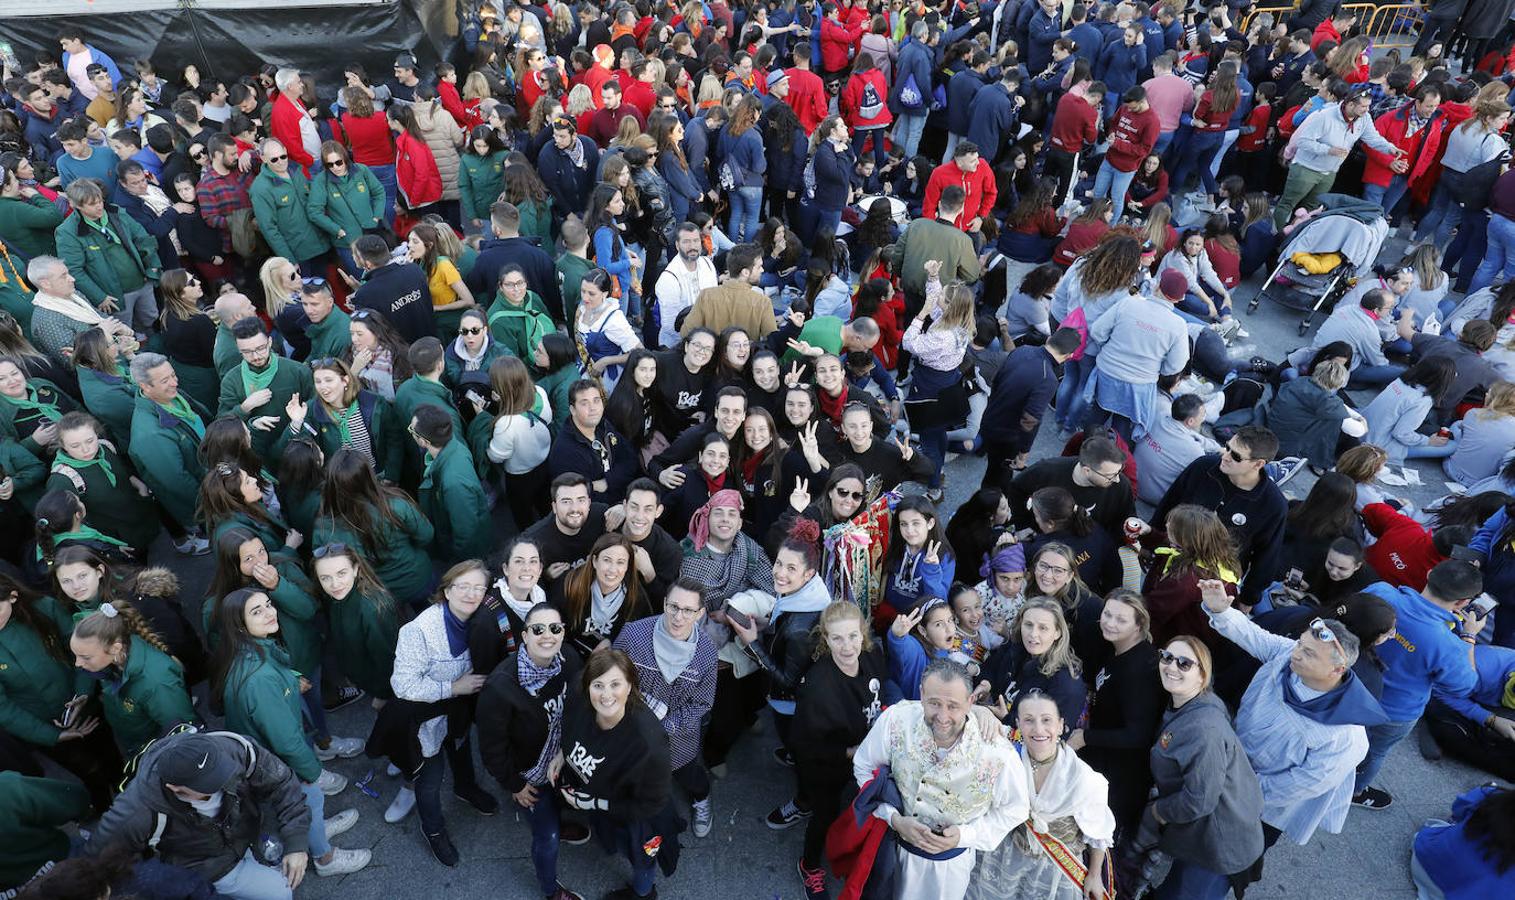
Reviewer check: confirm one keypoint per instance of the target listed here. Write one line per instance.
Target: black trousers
(694, 778)
(828, 790)
(1059, 165)
(737, 703)
(1473, 744)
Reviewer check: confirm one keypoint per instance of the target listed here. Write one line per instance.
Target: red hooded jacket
(852, 100)
(1420, 147)
(979, 184)
(836, 44)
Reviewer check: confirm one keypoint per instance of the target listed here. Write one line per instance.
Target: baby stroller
(1320, 260)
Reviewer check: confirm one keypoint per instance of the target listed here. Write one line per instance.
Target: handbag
(244, 235)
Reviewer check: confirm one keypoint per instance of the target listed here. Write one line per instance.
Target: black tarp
(228, 41)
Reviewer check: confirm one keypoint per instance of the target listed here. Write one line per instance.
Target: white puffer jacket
(444, 137)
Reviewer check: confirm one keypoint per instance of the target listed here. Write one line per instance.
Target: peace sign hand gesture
(933, 552)
(906, 451)
(792, 377)
(904, 623)
(799, 498)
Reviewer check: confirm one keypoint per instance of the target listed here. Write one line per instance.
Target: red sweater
(1075, 124)
(1081, 237)
(1403, 553)
(1325, 31)
(1132, 138)
(1208, 118)
(851, 100)
(1227, 263)
(372, 142)
(979, 185)
(1253, 140)
(807, 97)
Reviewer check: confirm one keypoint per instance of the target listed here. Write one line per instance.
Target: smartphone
(1466, 554)
(1483, 604)
(739, 617)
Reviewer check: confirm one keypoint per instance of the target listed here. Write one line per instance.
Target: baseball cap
(405, 61)
(196, 761)
(1173, 284)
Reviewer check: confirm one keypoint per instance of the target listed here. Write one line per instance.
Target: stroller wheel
(1252, 305)
(1304, 326)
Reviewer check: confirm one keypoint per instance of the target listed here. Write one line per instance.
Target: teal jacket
(31, 831)
(146, 698)
(291, 378)
(82, 248)
(343, 207)
(111, 399)
(398, 553)
(295, 599)
(165, 451)
(35, 684)
(262, 698)
(29, 224)
(417, 392)
(386, 433)
(363, 637)
(480, 181)
(454, 500)
(26, 470)
(332, 336)
(281, 207)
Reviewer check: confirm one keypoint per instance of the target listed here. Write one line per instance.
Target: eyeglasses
(467, 590)
(256, 351)
(850, 495)
(687, 612)
(225, 470)
(1049, 569)
(336, 548)
(274, 159)
(1104, 477)
(542, 628)
(364, 314)
(513, 283)
(702, 348)
(474, 330)
(1183, 663)
(599, 448)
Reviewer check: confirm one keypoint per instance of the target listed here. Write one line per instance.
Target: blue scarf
(457, 631)
(1349, 703)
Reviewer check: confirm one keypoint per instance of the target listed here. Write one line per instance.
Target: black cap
(405, 60)
(197, 762)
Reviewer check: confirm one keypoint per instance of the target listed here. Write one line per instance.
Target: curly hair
(1111, 266)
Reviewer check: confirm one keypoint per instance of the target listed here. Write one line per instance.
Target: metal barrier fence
(1388, 25)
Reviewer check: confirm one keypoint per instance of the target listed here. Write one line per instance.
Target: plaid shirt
(220, 196)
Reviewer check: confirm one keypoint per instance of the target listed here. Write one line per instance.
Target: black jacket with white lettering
(513, 724)
(626, 768)
(400, 292)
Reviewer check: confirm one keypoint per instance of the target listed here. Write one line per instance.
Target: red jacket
(1403, 553)
(807, 97)
(1075, 124)
(836, 45)
(466, 114)
(416, 172)
(369, 139)
(1419, 148)
(641, 95)
(284, 125)
(1225, 262)
(1254, 140)
(851, 100)
(1325, 31)
(1132, 138)
(1082, 236)
(979, 184)
(595, 76)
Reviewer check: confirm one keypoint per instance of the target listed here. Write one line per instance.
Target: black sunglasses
(542, 628)
(854, 495)
(274, 159)
(474, 330)
(1184, 663)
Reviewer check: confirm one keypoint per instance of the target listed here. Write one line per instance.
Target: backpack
(870, 106)
(910, 97)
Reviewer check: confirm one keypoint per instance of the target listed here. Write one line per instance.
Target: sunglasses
(336, 548)
(274, 159)
(335, 163)
(1236, 457)
(199, 155)
(1183, 663)
(314, 281)
(542, 628)
(1323, 633)
(851, 495)
(475, 330)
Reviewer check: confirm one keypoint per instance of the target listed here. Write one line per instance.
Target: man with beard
(565, 537)
(657, 552)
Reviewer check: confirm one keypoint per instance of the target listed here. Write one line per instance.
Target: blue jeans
(1426, 451)
(315, 713)
(908, 128)
(1381, 739)
(1499, 258)
(428, 786)
(1445, 212)
(1186, 881)
(316, 801)
(1163, 140)
(251, 880)
(1198, 154)
(1387, 196)
(644, 868)
(1113, 183)
(828, 218)
(1070, 392)
(1227, 141)
(386, 176)
(746, 205)
(860, 137)
(544, 819)
(1197, 309)
(1366, 376)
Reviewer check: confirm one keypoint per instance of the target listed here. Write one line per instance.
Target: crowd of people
(583, 400)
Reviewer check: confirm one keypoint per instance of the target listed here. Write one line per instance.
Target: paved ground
(744, 860)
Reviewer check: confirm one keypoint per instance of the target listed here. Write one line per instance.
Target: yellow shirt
(443, 277)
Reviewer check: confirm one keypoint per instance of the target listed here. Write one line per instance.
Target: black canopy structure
(225, 39)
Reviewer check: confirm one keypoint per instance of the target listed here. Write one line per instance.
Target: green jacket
(291, 378)
(16, 299)
(34, 684)
(146, 699)
(295, 600)
(480, 181)
(418, 391)
(15, 421)
(109, 398)
(343, 207)
(271, 532)
(281, 207)
(82, 248)
(556, 384)
(165, 451)
(454, 367)
(262, 697)
(386, 434)
(26, 470)
(27, 225)
(519, 328)
(571, 268)
(452, 497)
(301, 511)
(398, 553)
(536, 221)
(36, 809)
(363, 638)
(224, 355)
(332, 336)
(115, 509)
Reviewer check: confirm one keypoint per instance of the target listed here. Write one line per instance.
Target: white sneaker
(331, 782)
(1213, 405)
(341, 822)
(702, 817)
(193, 545)
(404, 802)
(340, 747)
(392, 770)
(344, 862)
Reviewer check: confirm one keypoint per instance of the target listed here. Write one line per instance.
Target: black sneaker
(626, 893)
(814, 881)
(479, 799)
(563, 893)
(345, 696)
(573, 833)
(784, 757)
(442, 849)
(786, 816)
(1373, 798)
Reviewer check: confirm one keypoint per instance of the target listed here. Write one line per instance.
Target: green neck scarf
(85, 533)
(42, 408)
(180, 409)
(99, 460)
(538, 404)
(344, 420)
(254, 381)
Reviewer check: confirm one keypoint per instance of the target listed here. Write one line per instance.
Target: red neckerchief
(714, 484)
(832, 407)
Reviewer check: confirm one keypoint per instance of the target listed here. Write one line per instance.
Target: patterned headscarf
(699, 523)
(1009, 558)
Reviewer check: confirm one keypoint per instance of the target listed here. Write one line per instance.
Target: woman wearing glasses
(364, 624)
(1054, 573)
(189, 336)
(281, 300)
(344, 414)
(1207, 808)
(520, 717)
(434, 675)
(346, 201)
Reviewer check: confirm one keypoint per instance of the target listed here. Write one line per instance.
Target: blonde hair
(1201, 656)
(1362, 463)
(580, 100)
(276, 295)
(1330, 375)
(1139, 610)
(1061, 655)
(840, 611)
(476, 87)
(1499, 400)
(119, 628)
(349, 393)
(957, 309)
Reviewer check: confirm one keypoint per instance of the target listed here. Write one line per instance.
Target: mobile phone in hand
(735, 615)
